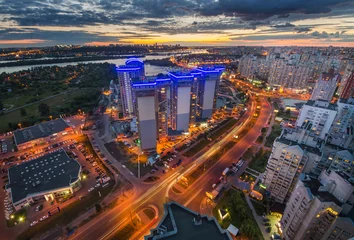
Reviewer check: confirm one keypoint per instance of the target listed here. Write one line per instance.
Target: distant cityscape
(172, 142)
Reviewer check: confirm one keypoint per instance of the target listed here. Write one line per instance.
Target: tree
(248, 228)
(98, 207)
(23, 112)
(43, 109)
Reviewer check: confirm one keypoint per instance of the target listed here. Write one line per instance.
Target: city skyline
(190, 23)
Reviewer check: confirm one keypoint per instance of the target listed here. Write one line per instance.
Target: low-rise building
(40, 133)
(48, 177)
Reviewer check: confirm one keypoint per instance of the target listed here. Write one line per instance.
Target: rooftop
(40, 130)
(178, 223)
(304, 147)
(321, 104)
(49, 172)
(314, 185)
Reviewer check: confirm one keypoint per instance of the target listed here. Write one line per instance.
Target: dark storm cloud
(53, 37)
(164, 16)
(72, 13)
(325, 34)
(260, 9)
(303, 29)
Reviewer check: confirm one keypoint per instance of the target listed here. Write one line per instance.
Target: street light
(139, 164)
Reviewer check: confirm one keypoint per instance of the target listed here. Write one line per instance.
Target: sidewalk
(258, 219)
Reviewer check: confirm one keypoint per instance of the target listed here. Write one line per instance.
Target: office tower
(163, 106)
(146, 113)
(127, 74)
(318, 208)
(347, 84)
(342, 131)
(180, 100)
(326, 86)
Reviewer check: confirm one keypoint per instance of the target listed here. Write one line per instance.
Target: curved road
(106, 224)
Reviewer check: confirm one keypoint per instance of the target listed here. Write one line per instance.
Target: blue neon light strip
(186, 76)
(133, 60)
(209, 71)
(128, 69)
(163, 79)
(144, 84)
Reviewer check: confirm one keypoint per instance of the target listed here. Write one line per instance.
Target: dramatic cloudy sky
(188, 22)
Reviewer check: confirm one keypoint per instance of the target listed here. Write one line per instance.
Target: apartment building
(342, 131)
(145, 106)
(326, 86)
(132, 71)
(282, 73)
(317, 118)
(286, 162)
(318, 208)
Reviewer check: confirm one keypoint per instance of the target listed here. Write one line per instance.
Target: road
(159, 192)
(195, 194)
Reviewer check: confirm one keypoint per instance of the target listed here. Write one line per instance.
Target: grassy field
(33, 115)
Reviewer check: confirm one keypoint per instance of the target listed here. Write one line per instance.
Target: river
(149, 69)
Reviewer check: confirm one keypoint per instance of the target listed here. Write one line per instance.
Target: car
(97, 185)
(39, 207)
(267, 224)
(123, 166)
(131, 173)
(33, 223)
(153, 171)
(91, 189)
(43, 218)
(269, 229)
(214, 185)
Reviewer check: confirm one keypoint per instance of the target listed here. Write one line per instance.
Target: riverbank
(63, 60)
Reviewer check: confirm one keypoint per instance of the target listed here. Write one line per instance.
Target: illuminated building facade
(145, 105)
(132, 71)
(326, 86)
(313, 209)
(167, 105)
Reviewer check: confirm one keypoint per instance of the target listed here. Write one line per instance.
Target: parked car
(33, 223)
(43, 218)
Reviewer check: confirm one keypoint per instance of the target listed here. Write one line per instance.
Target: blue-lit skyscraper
(207, 90)
(181, 86)
(145, 110)
(127, 74)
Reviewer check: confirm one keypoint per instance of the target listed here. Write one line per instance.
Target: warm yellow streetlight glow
(12, 216)
(20, 219)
